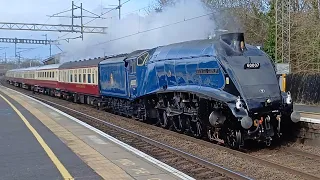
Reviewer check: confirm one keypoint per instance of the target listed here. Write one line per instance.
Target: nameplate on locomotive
(252, 65)
(207, 71)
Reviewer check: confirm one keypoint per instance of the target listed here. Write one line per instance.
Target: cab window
(142, 59)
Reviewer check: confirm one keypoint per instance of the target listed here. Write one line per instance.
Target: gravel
(306, 148)
(285, 158)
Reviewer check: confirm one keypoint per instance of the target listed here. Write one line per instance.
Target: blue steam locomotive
(221, 88)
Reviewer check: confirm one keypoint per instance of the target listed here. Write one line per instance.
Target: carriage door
(132, 77)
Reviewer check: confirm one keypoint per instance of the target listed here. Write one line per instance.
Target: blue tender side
(112, 78)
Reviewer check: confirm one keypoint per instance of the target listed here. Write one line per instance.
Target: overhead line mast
(59, 27)
(283, 33)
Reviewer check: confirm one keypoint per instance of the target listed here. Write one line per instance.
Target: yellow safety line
(64, 172)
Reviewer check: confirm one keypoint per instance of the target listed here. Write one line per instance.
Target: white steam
(128, 34)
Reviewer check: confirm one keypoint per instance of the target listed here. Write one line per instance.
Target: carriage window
(93, 78)
(96, 75)
(75, 78)
(71, 76)
(84, 78)
(142, 59)
(89, 78)
(80, 77)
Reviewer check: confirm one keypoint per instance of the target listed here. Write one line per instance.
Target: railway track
(188, 163)
(292, 160)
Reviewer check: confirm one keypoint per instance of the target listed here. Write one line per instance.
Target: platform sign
(283, 68)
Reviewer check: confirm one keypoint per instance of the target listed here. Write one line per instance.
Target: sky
(187, 20)
(37, 11)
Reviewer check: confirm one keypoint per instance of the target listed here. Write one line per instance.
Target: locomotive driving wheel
(179, 123)
(196, 127)
(156, 121)
(164, 119)
(142, 114)
(233, 138)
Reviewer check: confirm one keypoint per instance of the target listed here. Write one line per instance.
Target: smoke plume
(135, 32)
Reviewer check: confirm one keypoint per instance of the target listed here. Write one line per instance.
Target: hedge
(304, 87)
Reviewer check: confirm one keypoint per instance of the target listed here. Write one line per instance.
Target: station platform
(41, 142)
(309, 113)
(307, 108)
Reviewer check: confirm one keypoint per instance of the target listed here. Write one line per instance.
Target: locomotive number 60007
(252, 66)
